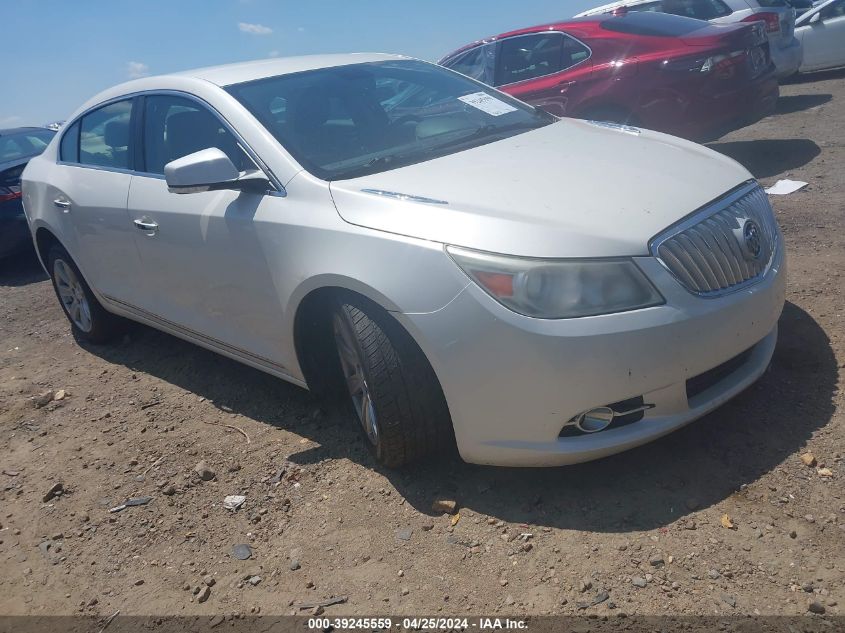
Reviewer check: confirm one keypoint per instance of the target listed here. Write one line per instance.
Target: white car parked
(467, 269)
(822, 33)
(778, 15)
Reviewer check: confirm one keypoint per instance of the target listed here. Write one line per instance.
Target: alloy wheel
(356, 382)
(72, 295)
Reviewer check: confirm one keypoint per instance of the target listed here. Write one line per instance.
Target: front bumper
(512, 382)
(788, 59)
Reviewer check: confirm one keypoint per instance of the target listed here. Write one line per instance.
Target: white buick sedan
(466, 269)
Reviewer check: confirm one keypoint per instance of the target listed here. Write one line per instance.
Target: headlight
(559, 288)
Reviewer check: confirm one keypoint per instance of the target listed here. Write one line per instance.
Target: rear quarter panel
(38, 188)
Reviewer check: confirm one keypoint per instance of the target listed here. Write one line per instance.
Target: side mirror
(211, 170)
(817, 17)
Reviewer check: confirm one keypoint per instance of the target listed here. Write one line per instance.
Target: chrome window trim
(278, 188)
(565, 34)
(695, 218)
(116, 170)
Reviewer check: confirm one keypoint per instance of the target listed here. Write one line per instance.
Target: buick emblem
(750, 240)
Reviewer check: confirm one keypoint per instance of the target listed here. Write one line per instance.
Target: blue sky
(56, 54)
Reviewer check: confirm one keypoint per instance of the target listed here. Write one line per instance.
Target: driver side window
(175, 127)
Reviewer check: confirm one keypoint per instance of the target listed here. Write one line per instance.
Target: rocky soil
(116, 462)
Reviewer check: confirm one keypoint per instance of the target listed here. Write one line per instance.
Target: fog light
(595, 420)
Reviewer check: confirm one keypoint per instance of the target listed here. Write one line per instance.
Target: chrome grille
(712, 252)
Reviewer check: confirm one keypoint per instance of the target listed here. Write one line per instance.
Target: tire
(399, 405)
(89, 321)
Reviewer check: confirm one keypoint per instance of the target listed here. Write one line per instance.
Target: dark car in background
(664, 72)
(17, 147)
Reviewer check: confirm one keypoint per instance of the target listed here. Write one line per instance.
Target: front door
(202, 258)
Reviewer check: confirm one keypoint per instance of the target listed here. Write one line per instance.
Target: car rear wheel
(398, 403)
(88, 319)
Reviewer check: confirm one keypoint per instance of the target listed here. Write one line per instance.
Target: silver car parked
(463, 268)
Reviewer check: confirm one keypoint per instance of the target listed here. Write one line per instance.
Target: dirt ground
(640, 533)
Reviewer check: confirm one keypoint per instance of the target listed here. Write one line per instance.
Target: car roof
(21, 130)
(229, 74)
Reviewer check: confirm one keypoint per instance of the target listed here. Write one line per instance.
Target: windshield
(350, 121)
(22, 144)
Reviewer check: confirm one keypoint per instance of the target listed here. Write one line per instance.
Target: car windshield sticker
(486, 103)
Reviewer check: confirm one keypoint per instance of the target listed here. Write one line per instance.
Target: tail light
(771, 19)
(9, 193)
(722, 66)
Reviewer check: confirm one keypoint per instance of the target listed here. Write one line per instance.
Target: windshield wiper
(483, 132)
(418, 154)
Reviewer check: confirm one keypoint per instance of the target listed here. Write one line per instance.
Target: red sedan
(663, 72)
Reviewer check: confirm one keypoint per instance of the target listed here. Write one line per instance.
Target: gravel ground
(722, 517)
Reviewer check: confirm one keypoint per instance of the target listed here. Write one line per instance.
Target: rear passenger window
(69, 149)
(175, 127)
(104, 136)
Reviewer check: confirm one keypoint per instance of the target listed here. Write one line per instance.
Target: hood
(570, 189)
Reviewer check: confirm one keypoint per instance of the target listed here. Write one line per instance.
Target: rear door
(549, 70)
(202, 255)
(89, 190)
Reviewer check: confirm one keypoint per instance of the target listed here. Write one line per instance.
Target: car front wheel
(398, 403)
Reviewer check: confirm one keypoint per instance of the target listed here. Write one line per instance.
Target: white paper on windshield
(486, 103)
(784, 187)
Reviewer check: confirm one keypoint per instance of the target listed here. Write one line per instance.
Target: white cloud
(10, 120)
(273, 54)
(137, 69)
(254, 29)
(301, 29)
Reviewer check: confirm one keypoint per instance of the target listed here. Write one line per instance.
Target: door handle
(62, 204)
(148, 226)
(565, 85)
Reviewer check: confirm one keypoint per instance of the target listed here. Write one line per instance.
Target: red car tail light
(724, 66)
(771, 19)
